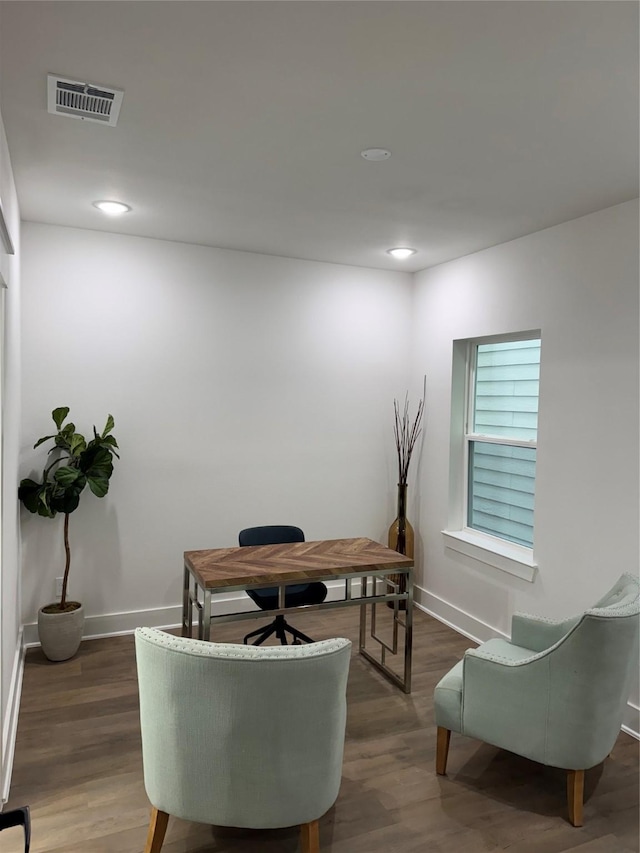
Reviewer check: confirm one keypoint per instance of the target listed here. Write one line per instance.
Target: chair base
(18, 817)
(280, 627)
(309, 834)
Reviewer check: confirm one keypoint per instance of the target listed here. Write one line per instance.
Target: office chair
(216, 745)
(556, 693)
(296, 595)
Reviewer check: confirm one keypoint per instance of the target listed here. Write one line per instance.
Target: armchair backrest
(241, 736)
(591, 671)
(623, 599)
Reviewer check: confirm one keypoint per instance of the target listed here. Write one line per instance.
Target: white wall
(251, 389)
(578, 283)
(10, 642)
(246, 389)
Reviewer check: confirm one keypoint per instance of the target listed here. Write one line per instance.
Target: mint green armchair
(555, 693)
(241, 736)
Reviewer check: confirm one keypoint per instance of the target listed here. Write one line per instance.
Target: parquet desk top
(257, 564)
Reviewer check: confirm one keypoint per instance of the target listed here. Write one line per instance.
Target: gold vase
(401, 539)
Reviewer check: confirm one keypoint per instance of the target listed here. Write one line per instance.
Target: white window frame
(482, 547)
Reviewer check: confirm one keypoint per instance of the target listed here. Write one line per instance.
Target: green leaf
(77, 444)
(29, 494)
(66, 501)
(66, 475)
(41, 440)
(43, 506)
(97, 464)
(96, 457)
(35, 497)
(109, 426)
(111, 443)
(98, 485)
(59, 415)
(27, 485)
(67, 437)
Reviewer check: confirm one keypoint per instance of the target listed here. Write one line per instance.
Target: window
(502, 431)
(494, 447)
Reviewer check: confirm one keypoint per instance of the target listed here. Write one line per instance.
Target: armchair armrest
(538, 633)
(506, 699)
(512, 655)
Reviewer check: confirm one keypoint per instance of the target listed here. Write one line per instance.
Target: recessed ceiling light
(375, 154)
(401, 253)
(112, 208)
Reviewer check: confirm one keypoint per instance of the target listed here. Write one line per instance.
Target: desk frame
(377, 588)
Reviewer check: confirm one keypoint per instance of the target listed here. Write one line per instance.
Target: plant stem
(55, 462)
(63, 599)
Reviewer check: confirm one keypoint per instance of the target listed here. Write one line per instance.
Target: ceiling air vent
(87, 101)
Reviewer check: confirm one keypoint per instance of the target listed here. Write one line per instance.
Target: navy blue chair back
(270, 534)
(296, 595)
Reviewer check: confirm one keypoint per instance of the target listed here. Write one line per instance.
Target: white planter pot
(60, 633)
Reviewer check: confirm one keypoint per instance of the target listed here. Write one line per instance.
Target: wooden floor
(78, 766)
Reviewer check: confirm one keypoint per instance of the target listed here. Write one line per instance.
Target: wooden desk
(371, 565)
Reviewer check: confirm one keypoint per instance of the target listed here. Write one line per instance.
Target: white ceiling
(242, 122)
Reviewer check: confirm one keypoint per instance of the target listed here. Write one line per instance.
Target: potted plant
(76, 464)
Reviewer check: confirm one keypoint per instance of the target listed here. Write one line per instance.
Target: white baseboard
(10, 723)
(631, 724)
(461, 622)
(478, 631)
(114, 624)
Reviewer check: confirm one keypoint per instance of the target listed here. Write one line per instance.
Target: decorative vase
(401, 539)
(60, 633)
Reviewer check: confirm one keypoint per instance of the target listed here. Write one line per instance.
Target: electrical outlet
(59, 587)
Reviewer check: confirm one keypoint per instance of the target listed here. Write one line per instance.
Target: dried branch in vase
(406, 434)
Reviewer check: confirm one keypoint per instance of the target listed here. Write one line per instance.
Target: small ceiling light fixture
(112, 208)
(401, 253)
(375, 155)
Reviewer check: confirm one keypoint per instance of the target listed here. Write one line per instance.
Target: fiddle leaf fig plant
(74, 464)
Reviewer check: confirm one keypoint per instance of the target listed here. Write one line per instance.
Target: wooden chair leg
(575, 795)
(442, 750)
(157, 830)
(310, 837)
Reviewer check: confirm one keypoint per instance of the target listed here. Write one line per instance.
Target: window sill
(506, 556)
